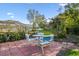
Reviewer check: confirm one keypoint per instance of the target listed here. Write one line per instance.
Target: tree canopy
(69, 19)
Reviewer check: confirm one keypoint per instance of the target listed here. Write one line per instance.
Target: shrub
(74, 30)
(3, 38)
(61, 35)
(72, 52)
(12, 36)
(16, 36)
(22, 35)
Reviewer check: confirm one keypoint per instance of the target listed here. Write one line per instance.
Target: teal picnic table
(43, 40)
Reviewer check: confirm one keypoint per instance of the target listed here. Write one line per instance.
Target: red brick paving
(23, 48)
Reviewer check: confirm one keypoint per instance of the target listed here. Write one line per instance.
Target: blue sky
(18, 11)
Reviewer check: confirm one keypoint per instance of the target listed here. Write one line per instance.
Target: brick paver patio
(23, 48)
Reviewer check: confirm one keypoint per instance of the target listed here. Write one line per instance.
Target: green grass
(72, 52)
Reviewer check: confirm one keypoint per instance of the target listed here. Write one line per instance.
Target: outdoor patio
(23, 48)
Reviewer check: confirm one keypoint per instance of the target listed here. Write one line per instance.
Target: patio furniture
(44, 40)
(28, 37)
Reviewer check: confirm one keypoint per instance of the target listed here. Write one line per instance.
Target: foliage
(36, 19)
(3, 38)
(61, 35)
(72, 52)
(46, 32)
(68, 21)
(12, 36)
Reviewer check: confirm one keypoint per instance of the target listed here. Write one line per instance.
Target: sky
(18, 11)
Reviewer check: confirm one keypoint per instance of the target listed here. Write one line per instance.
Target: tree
(69, 19)
(35, 18)
(72, 11)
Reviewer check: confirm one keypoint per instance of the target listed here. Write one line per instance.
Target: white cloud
(62, 4)
(10, 13)
(12, 16)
